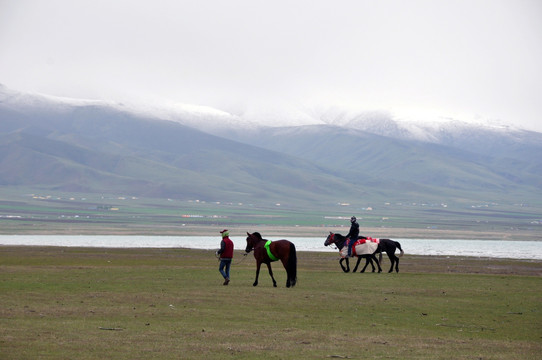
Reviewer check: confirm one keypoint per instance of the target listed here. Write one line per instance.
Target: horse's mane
(342, 238)
(257, 234)
(339, 235)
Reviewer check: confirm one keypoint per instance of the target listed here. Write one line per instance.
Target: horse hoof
(255, 284)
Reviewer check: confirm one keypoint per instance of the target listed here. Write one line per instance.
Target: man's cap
(223, 231)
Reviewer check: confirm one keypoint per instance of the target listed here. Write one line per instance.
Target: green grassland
(25, 211)
(80, 303)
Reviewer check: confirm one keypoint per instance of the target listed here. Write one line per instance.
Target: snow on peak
(410, 123)
(41, 102)
(406, 122)
(279, 116)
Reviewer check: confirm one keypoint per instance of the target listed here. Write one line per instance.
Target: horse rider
(352, 234)
(226, 255)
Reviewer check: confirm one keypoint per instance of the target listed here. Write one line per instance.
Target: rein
(240, 261)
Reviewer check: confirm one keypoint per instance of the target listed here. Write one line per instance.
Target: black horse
(385, 245)
(389, 246)
(340, 242)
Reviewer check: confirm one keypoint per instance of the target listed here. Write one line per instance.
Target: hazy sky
(475, 57)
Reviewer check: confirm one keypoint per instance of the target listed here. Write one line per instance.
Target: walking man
(226, 255)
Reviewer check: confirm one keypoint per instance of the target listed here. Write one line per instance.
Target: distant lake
(478, 248)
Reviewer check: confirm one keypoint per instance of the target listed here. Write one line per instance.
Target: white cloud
(475, 57)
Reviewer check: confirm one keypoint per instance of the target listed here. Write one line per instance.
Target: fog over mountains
(323, 156)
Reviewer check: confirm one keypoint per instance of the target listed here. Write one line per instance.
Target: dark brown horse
(385, 245)
(267, 251)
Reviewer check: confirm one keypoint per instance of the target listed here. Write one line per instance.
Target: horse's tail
(292, 265)
(399, 247)
(380, 257)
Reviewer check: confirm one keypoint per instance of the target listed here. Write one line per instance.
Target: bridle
(252, 245)
(331, 240)
(254, 242)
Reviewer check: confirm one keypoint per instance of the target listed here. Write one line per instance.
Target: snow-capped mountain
(332, 153)
(414, 125)
(27, 102)
(201, 117)
(476, 135)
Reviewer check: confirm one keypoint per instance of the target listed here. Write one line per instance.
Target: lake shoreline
(276, 231)
(445, 247)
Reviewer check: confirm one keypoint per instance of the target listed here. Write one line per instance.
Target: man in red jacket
(226, 255)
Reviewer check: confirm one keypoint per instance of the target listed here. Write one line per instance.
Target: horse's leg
(342, 266)
(357, 264)
(373, 257)
(271, 274)
(366, 263)
(393, 259)
(347, 264)
(258, 264)
(392, 255)
(372, 265)
(285, 264)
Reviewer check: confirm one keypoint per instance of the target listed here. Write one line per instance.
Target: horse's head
(252, 239)
(330, 239)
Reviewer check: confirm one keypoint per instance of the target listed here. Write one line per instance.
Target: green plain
(25, 211)
(81, 303)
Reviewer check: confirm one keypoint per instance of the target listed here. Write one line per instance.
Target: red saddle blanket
(362, 247)
(364, 241)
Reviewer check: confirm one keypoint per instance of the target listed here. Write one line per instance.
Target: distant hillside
(97, 147)
(93, 148)
(503, 165)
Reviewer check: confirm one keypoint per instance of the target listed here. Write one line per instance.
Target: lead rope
(240, 261)
(234, 263)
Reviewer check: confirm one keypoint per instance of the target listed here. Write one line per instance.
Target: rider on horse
(352, 234)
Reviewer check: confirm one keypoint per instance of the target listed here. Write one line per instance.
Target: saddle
(363, 246)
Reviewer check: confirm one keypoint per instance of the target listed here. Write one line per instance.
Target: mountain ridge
(424, 126)
(99, 146)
